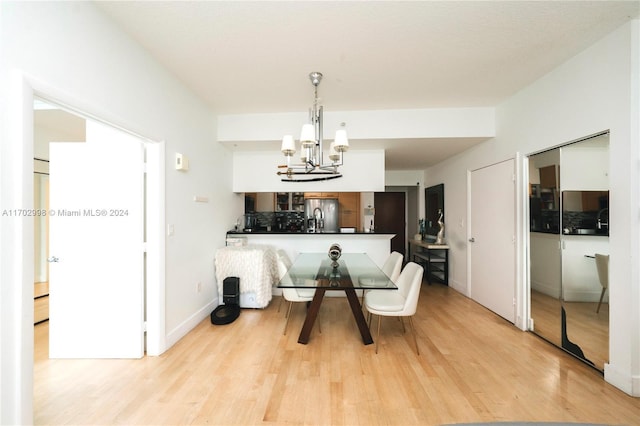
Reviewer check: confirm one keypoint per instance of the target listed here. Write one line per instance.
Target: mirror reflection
(569, 230)
(41, 241)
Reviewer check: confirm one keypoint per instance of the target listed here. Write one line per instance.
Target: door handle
(53, 259)
(472, 240)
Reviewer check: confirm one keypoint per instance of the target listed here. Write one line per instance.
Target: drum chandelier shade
(311, 147)
(288, 145)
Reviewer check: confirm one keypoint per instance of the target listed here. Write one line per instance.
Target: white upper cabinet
(585, 168)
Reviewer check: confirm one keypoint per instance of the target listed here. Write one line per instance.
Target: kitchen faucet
(600, 223)
(319, 219)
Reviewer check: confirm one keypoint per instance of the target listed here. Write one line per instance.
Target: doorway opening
(54, 122)
(391, 218)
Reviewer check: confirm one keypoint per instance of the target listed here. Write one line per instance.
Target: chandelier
(312, 166)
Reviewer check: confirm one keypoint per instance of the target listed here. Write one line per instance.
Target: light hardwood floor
(40, 302)
(473, 367)
(585, 327)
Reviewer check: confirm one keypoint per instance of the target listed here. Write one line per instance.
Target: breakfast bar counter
(377, 246)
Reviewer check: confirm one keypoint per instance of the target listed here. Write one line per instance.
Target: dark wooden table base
(314, 308)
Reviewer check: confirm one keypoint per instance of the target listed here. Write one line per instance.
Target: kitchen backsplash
(586, 220)
(280, 221)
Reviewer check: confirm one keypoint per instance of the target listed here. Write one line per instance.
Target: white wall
(592, 92)
(404, 177)
(257, 172)
(363, 125)
(70, 52)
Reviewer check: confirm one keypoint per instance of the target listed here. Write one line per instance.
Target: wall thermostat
(182, 162)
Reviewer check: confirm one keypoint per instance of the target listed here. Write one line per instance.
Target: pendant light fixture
(312, 166)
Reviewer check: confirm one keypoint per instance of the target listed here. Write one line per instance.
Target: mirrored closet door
(569, 247)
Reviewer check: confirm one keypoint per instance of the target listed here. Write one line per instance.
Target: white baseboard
(545, 288)
(189, 324)
(458, 287)
(626, 383)
(584, 296)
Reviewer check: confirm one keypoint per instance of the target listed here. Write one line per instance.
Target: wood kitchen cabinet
(548, 177)
(349, 203)
(264, 202)
(591, 200)
(349, 206)
(258, 202)
(321, 194)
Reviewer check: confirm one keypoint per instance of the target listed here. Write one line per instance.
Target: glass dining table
(351, 272)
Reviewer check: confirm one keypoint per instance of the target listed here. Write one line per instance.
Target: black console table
(434, 258)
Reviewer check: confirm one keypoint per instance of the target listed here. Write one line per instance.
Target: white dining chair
(397, 303)
(281, 255)
(391, 268)
(602, 265)
(292, 295)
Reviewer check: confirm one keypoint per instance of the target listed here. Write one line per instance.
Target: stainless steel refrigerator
(321, 215)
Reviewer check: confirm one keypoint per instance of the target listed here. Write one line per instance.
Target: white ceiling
(255, 57)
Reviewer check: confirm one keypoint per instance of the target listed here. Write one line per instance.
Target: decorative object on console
(440, 236)
(311, 141)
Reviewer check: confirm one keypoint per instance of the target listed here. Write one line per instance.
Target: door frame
(154, 232)
(155, 248)
(20, 244)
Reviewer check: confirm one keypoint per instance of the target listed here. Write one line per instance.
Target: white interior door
(96, 244)
(492, 249)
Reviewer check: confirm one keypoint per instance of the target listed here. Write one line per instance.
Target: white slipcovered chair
(391, 267)
(397, 303)
(292, 295)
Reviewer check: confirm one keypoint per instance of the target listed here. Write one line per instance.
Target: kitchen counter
(298, 233)
(545, 231)
(586, 234)
(376, 245)
(578, 233)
